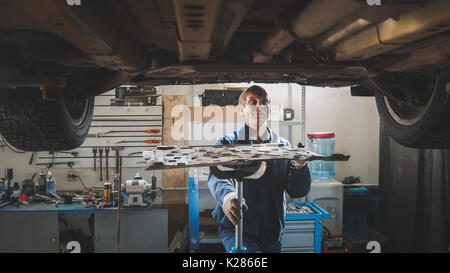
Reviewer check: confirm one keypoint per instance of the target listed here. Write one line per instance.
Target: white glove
(232, 208)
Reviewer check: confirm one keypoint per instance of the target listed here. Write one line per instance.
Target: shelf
(286, 122)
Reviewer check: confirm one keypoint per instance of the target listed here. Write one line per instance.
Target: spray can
(107, 191)
(50, 184)
(9, 181)
(28, 187)
(42, 179)
(16, 190)
(2, 187)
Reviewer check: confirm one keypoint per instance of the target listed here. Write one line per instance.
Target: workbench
(35, 228)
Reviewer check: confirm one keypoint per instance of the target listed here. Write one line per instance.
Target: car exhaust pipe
(316, 18)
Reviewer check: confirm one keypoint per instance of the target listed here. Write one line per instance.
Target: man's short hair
(256, 90)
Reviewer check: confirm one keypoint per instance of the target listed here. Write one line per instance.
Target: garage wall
(355, 122)
(353, 119)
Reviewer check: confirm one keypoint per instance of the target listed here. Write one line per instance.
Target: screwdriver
(107, 163)
(100, 150)
(94, 150)
(150, 141)
(149, 131)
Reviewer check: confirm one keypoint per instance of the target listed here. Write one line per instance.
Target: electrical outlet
(71, 176)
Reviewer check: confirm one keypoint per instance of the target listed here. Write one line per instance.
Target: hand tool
(94, 150)
(33, 156)
(153, 194)
(116, 136)
(149, 131)
(100, 151)
(49, 165)
(107, 163)
(117, 150)
(4, 204)
(149, 141)
(74, 154)
(124, 120)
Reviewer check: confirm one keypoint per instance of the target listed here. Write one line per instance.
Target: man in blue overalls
(264, 197)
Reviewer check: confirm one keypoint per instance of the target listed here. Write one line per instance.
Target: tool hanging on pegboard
(100, 151)
(149, 141)
(94, 151)
(133, 128)
(149, 131)
(107, 159)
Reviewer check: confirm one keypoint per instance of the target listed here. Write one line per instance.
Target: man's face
(255, 106)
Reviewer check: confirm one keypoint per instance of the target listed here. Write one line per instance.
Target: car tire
(30, 123)
(427, 126)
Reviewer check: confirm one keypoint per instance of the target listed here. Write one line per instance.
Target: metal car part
(168, 157)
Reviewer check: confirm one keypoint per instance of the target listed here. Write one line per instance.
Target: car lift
(237, 176)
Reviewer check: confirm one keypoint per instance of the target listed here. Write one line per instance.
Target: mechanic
(264, 199)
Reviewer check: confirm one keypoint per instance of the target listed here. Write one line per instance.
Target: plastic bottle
(50, 184)
(2, 187)
(322, 143)
(16, 190)
(42, 178)
(9, 182)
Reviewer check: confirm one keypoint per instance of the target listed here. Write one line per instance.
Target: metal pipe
(321, 15)
(276, 40)
(240, 226)
(313, 20)
(119, 195)
(338, 33)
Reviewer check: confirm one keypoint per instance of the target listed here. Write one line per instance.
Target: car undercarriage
(71, 51)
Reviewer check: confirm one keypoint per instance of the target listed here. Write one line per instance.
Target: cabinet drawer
(298, 239)
(297, 250)
(300, 225)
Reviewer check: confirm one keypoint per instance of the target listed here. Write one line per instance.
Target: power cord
(81, 180)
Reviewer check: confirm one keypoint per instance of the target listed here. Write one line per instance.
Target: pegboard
(112, 125)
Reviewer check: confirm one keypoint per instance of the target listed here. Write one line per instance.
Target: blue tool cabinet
(303, 232)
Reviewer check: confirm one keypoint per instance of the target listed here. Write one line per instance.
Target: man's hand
(299, 164)
(232, 208)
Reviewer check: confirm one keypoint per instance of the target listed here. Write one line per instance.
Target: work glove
(232, 208)
(299, 164)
